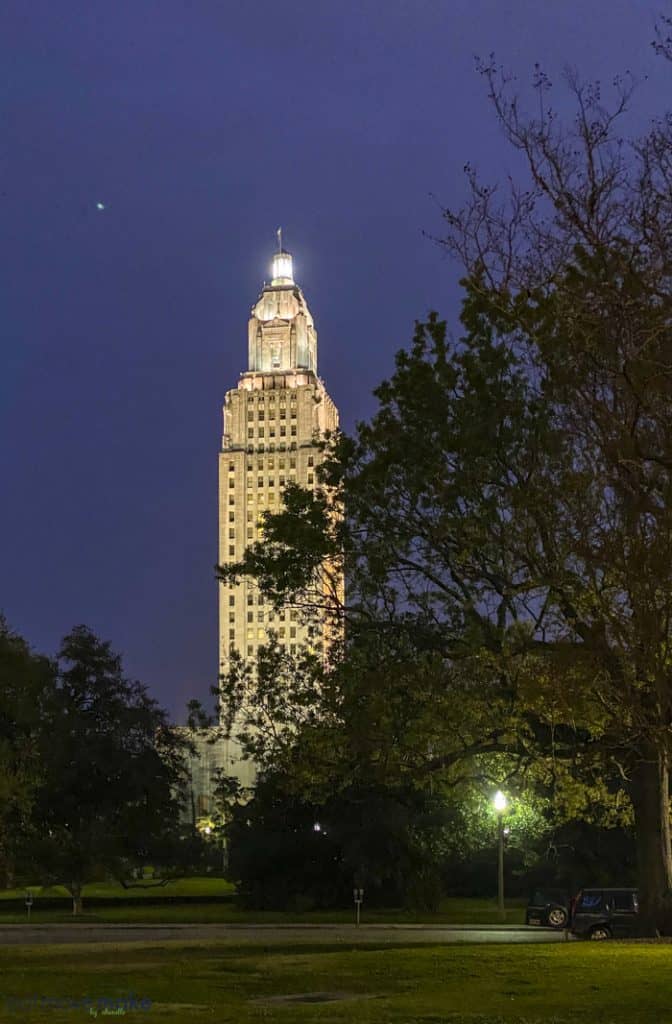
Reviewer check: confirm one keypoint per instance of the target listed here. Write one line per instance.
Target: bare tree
(575, 269)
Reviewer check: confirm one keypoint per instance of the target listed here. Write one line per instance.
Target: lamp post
(500, 803)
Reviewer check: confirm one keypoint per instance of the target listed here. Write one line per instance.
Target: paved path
(290, 934)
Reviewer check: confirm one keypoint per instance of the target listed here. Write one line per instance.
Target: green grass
(453, 911)
(141, 889)
(606, 983)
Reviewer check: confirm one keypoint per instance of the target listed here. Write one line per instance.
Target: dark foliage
(288, 853)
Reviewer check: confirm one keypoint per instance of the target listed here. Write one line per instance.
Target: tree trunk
(75, 891)
(650, 794)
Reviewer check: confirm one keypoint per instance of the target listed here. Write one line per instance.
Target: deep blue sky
(202, 125)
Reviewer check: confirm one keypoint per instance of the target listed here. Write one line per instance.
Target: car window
(624, 901)
(590, 901)
(540, 897)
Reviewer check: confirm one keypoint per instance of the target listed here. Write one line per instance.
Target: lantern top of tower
(281, 270)
(281, 273)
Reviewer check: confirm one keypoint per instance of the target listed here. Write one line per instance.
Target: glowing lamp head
(499, 801)
(281, 271)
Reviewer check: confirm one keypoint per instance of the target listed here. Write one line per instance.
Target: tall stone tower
(273, 421)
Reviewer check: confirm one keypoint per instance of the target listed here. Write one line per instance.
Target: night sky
(201, 127)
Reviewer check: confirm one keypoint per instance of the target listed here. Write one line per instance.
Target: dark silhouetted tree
(113, 773)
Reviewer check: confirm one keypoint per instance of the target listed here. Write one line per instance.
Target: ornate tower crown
(281, 332)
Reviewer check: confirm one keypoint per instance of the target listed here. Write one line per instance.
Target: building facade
(210, 755)
(273, 421)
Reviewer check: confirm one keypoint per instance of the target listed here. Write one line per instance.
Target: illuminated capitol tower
(273, 420)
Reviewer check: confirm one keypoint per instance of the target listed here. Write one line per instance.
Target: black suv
(548, 907)
(605, 913)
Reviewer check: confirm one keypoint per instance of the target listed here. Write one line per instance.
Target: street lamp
(500, 803)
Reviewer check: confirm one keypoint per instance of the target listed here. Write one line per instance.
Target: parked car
(605, 913)
(548, 907)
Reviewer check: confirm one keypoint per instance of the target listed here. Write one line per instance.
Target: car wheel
(599, 932)
(557, 917)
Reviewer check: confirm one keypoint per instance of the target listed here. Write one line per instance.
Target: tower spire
(282, 274)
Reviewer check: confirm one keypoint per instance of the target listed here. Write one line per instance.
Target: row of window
(260, 600)
(292, 648)
(270, 481)
(281, 446)
(252, 517)
(250, 649)
(260, 414)
(269, 463)
(262, 634)
(270, 396)
(271, 431)
(263, 399)
(261, 614)
(256, 496)
(250, 534)
(263, 482)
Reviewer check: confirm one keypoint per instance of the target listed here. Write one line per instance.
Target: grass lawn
(141, 889)
(453, 911)
(608, 983)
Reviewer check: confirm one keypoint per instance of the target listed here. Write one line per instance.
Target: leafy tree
(581, 286)
(438, 671)
(286, 851)
(374, 731)
(471, 570)
(25, 681)
(113, 773)
(508, 507)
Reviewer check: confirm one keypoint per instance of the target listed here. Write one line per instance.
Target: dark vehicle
(548, 907)
(605, 913)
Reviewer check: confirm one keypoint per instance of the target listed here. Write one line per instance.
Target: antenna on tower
(279, 234)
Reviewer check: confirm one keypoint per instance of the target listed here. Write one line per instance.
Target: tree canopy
(25, 682)
(92, 775)
(507, 512)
